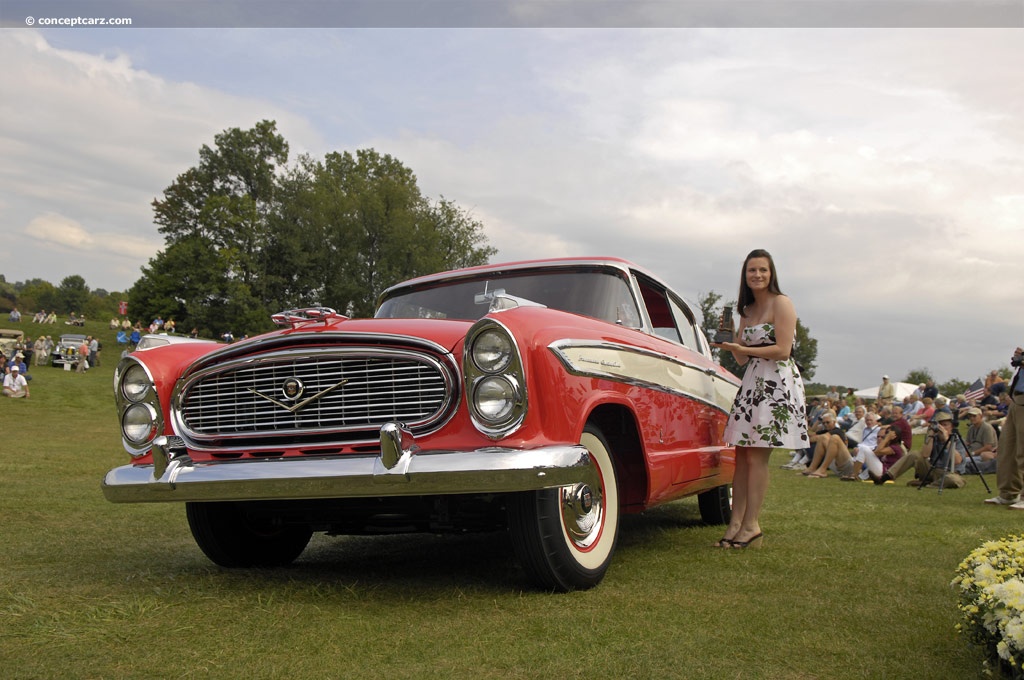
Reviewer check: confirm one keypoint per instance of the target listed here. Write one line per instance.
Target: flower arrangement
(991, 589)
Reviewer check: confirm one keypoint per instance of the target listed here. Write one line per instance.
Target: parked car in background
(9, 339)
(544, 398)
(66, 350)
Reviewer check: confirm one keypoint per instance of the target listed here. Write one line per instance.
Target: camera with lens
(1016, 360)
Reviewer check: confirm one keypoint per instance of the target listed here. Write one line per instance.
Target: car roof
(522, 265)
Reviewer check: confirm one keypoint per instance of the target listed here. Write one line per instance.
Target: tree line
(72, 295)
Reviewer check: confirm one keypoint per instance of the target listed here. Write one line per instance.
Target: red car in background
(543, 398)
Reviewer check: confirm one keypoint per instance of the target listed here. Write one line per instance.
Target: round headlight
(495, 397)
(139, 423)
(135, 383)
(492, 351)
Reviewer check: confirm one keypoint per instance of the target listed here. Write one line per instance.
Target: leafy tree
(248, 235)
(72, 295)
(953, 387)
(8, 295)
(36, 294)
(805, 350)
(918, 376)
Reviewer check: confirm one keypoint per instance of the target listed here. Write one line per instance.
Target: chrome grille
(345, 391)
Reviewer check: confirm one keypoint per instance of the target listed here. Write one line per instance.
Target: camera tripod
(947, 448)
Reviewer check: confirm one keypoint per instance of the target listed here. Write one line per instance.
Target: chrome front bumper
(402, 469)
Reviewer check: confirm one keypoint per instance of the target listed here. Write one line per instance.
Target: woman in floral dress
(769, 410)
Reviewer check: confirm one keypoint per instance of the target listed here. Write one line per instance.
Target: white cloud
(94, 139)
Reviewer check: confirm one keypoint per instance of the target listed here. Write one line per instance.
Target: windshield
(599, 294)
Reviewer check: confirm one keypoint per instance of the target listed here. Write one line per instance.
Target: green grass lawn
(853, 582)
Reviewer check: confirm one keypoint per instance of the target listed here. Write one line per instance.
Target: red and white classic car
(543, 398)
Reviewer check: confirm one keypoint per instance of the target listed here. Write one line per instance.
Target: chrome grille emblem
(292, 389)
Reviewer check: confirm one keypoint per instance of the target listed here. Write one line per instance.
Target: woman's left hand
(733, 347)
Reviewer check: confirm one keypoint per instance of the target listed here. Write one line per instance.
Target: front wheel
(233, 536)
(565, 537)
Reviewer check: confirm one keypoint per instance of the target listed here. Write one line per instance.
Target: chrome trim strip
(602, 363)
(488, 470)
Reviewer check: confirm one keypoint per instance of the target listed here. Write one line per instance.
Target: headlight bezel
(143, 398)
(483, 373)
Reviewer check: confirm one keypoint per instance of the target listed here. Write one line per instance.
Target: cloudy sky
(883, 167)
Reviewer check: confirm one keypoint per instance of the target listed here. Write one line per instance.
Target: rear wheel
(232, 536)
(716, 505)
(564, 538)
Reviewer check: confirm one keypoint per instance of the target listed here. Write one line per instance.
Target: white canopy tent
(903, 390)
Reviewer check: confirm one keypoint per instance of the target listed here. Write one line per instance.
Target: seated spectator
(919, 422)
(932, 463)
(170, 326)
(18, 361)
(845, 412)
(981, 442)
(855, 430)
(930, 390)
(885, 414)
(995, 383)
(911, 405)
(114, 323)
(866, 448)
(4, 368)
(887, 452)
(987, 399)
(15, 385)
(52, 318)
(833, 394)
(902, 427)
(134, 338)
(126, 325)
(830, 445)
(14, 316)
(996, 415)
(39, 317)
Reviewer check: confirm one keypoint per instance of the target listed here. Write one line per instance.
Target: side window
(660, 311)
(685, 324)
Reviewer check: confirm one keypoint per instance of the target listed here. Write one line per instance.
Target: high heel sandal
(752, 542)
(723, 542)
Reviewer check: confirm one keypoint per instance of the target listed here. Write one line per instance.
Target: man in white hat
(886, 391)
(15, 385)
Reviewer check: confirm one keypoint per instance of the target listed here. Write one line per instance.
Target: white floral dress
(769, 410)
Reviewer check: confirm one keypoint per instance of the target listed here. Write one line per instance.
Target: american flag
(975, 391)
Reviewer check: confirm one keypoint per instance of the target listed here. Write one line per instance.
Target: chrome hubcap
(582, 512)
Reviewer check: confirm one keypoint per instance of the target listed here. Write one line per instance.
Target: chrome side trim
(644, 368)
